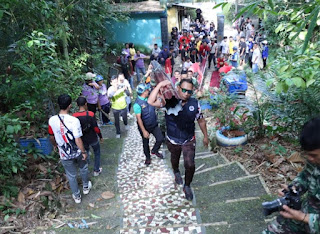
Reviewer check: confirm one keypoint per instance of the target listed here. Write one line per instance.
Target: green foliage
(278, 149)
(226, 111)
(45, 49)
(292, 69)
(12, 157)
(293, 18)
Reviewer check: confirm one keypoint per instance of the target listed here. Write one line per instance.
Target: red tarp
(215, 79)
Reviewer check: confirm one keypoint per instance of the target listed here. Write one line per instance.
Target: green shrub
(12, 157)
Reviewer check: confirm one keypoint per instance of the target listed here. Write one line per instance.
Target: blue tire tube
(226, 141)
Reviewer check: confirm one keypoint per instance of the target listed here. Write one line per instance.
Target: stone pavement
(152, 202)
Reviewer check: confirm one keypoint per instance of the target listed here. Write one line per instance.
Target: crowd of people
(75, 135)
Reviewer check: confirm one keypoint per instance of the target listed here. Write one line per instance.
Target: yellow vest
(119, 101)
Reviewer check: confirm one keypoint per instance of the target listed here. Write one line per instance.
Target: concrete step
(239, 211)
(243, 187)
(225, 172)
(166, 218)
(204, 161)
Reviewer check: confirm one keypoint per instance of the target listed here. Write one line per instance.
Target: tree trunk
(65, 43)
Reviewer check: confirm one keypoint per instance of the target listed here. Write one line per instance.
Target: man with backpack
(90, 131)
(65, 133)
(147, 122)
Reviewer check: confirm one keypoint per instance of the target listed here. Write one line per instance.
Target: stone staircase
(227, 198)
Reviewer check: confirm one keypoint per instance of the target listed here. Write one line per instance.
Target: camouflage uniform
(309, 181)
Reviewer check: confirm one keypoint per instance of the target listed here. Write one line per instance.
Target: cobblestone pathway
(152, 202)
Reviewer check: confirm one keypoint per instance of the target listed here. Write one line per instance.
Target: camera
(120, 86)
(291, 198)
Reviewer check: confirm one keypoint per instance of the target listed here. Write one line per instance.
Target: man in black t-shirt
(242, 50)
(90, 131)
(193, 53)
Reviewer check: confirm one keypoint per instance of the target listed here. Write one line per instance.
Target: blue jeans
(255, 68)
(71, 168)
(234, 64)
(96, 150)
(131, 81)
(138, 70)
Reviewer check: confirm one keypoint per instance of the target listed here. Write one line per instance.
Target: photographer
(116, 93)
(305, 220)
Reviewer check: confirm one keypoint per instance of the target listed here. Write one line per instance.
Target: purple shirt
(139, 62)
(90, 93)
(127, 51)
(103, 98)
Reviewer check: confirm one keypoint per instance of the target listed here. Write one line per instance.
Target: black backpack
(87, 126)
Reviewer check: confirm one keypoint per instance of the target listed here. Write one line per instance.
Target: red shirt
(221, 62)
(186, 46)
(204, 49)
(168, 66)
(187, 39)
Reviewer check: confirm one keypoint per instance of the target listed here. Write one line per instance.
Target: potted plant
(229, 120)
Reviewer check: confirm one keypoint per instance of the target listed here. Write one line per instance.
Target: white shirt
(187, 65)
(185, 24)
(213, 48)
(57, 128)
(256, 56)
(225, 47)
(156, 52)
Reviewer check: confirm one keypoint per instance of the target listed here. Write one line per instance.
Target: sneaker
(110, 123)
(130, 116)
(147, 162)
(127, 127)
(86, 190)
(96, 173)
(118, 136)
(77, 199)
(188, 192)
(178, 178)
(159, 155)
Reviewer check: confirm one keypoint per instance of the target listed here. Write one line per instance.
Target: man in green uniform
(307, 219)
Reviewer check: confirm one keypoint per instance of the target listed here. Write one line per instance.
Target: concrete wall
(141, 29)
(172, 18)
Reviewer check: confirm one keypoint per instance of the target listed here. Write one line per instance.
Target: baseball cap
(142, 87)
(90, 76)
(235, 48)
(99, 78)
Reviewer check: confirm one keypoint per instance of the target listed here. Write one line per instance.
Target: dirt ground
(275, 159)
